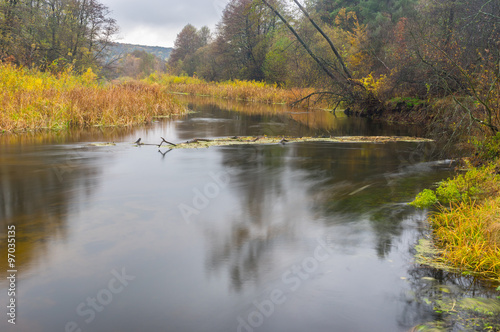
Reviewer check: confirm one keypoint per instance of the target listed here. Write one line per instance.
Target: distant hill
(118, 49)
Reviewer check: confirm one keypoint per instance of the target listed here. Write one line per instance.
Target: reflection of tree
(38, 185)
(351, 180)
(342, 183)
(275, 120)
(257, 174)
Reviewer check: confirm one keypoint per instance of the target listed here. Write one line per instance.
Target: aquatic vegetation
(31, 100)
(424, 199)
(233, 89)
(467, 314)
(247, 140)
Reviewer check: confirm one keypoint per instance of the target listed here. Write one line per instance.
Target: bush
(426, 199)
(477, 184)
(487, 150)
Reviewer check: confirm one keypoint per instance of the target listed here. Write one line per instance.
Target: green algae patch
(468, 314)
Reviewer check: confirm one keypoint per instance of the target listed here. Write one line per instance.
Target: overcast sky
(157, 22)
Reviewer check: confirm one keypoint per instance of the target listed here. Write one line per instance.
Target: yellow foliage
(355, 34)
(346, 20)
(89, 77)
(376, 86)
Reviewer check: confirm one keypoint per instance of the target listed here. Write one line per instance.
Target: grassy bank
(31, 100)
(466, 218)
(235, 89)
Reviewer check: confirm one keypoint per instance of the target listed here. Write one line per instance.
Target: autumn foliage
(428, 50)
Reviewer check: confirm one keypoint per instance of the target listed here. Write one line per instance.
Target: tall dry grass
(237, 90)
(469, 235)
(30, 99)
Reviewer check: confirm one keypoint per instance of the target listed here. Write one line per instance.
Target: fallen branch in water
(165, 141)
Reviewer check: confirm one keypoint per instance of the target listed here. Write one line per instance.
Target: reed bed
(30, 100)
(237, 90)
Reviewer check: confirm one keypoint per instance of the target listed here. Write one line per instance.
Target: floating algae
(198, 143)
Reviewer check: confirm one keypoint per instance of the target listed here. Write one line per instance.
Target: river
(287, 237)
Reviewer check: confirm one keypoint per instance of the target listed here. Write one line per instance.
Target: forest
(360, 53)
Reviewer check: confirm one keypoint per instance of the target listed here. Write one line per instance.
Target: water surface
(295, 237)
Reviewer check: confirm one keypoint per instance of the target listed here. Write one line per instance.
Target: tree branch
(334, 49)
(301, 41)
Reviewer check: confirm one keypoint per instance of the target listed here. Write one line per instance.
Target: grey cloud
(168, 17)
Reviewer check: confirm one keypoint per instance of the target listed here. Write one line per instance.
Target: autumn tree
(243, 37)
(45, 32)
(458, 50)
(188, 41)
(139, 64)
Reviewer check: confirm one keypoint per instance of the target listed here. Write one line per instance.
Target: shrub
(477, 184)
(426, 199)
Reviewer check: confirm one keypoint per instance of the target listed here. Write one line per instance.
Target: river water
(294, 237)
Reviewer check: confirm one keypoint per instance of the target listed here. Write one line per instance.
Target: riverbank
(466, 217)
(32, 100)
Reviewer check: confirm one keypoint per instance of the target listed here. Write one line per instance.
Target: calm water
(296, 237)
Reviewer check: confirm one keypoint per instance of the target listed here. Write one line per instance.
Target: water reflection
(219, 117)
(40, 184)
(284, 188)
(83, 211)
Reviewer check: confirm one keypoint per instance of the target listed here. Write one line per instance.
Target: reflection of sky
(202, 275)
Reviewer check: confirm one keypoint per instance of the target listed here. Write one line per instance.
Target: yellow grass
(466, 228)
(30, 100)
(469, 235)
(237, 90)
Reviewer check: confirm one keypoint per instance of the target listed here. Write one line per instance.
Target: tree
(188, 41)
(44, 32)
(243, 37)
(342, 85)
(139, 64)
(457, 47)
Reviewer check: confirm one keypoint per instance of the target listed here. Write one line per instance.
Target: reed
(235, 89)
(31, 100)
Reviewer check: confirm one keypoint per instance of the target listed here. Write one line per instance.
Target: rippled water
(295, 237)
